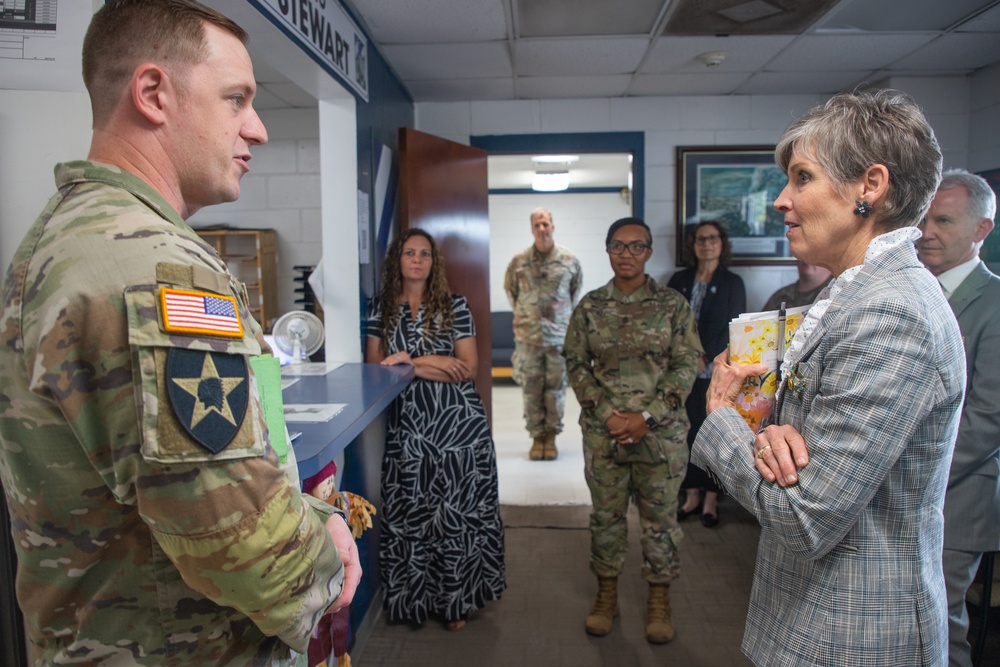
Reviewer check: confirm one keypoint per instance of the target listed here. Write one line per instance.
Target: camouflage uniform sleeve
(576, 283)
(237, 529)
(510, 283)
(673, 387)
(579, 364)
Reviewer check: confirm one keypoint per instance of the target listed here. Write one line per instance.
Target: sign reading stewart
(324, 29)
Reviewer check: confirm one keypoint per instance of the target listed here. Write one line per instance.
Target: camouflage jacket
(634, 352)
(793, 296)
(152, 520)
(542, 290)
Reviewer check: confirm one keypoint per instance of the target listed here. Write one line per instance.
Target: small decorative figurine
(322, 485)
(332, 634)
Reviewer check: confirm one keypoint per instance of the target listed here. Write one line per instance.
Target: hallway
(539, 620)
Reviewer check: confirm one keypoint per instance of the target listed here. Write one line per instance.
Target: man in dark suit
(958, 221)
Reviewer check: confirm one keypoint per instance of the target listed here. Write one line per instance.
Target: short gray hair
(541, 210)
(982, 200)
(856, 130)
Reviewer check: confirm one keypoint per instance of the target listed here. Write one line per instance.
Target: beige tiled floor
(527, 482)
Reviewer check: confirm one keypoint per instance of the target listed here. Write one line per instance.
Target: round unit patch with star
(209, 393)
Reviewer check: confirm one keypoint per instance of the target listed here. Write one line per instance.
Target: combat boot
(550, 452)
(659, 623)
(602, 616)
(537, 452)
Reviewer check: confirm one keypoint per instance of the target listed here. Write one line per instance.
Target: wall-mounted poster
(735, 186)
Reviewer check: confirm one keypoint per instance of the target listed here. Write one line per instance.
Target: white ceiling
(457, 50)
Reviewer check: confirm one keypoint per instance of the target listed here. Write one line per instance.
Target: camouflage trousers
(654, 487)
(541, 373)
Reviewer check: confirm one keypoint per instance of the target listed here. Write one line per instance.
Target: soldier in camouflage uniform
(632, 352)
(542, 283)
(803, 292)
(153, 520)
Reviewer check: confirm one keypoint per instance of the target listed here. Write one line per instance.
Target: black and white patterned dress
(442, 549)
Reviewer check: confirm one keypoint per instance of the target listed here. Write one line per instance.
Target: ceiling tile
(431, 21)
(416, 62)
(918, 15)
(706, 17)
(988, 21)
(566, 49)
(823, 53)
(686, 84)
(803, 83)
(745, 53)
(960, 52)
(618, 55)
(565, 18)
(544, 87)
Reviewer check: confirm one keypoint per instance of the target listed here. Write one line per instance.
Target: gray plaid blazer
(849, 561)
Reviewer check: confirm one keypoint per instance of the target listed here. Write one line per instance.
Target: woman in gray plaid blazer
(848, 482)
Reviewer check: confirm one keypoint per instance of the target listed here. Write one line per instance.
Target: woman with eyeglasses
(632, 352)
(716, 295)
(442, 550)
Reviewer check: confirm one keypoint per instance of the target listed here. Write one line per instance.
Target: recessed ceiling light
(750, 11)
(555, 159)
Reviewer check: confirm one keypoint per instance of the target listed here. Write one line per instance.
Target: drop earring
(863, 208)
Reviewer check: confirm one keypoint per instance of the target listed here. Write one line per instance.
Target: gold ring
(760, 452)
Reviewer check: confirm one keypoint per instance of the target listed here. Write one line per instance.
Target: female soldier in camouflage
(632, 352)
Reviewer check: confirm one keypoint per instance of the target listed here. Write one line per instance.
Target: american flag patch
(199, 313)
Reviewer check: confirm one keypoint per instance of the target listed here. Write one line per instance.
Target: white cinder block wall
(282, 192)
(669, 122)
(581, 222)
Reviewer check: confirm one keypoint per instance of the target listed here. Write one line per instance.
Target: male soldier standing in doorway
(542, 283)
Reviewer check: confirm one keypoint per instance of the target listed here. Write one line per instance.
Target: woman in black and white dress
(442, 550)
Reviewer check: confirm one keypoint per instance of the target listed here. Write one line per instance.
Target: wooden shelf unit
(251, 255)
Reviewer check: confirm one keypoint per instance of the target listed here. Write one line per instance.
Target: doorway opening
(605, 183)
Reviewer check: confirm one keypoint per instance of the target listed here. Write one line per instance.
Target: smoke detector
(712, 58)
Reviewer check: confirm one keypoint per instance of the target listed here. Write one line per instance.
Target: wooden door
(443, 190)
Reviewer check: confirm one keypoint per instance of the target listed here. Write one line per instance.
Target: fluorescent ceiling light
(550, 181)
(555, 159)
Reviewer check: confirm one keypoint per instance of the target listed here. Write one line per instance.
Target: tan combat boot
(602, 616)
(550, 452)
(537, 452)
(659, 623)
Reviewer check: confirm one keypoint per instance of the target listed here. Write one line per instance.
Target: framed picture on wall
(990, 252)
(735, 186)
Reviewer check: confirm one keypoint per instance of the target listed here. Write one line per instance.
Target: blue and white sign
(324, 29)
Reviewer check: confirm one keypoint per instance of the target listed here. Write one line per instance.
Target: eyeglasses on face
(706, 240)
(634, 248)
